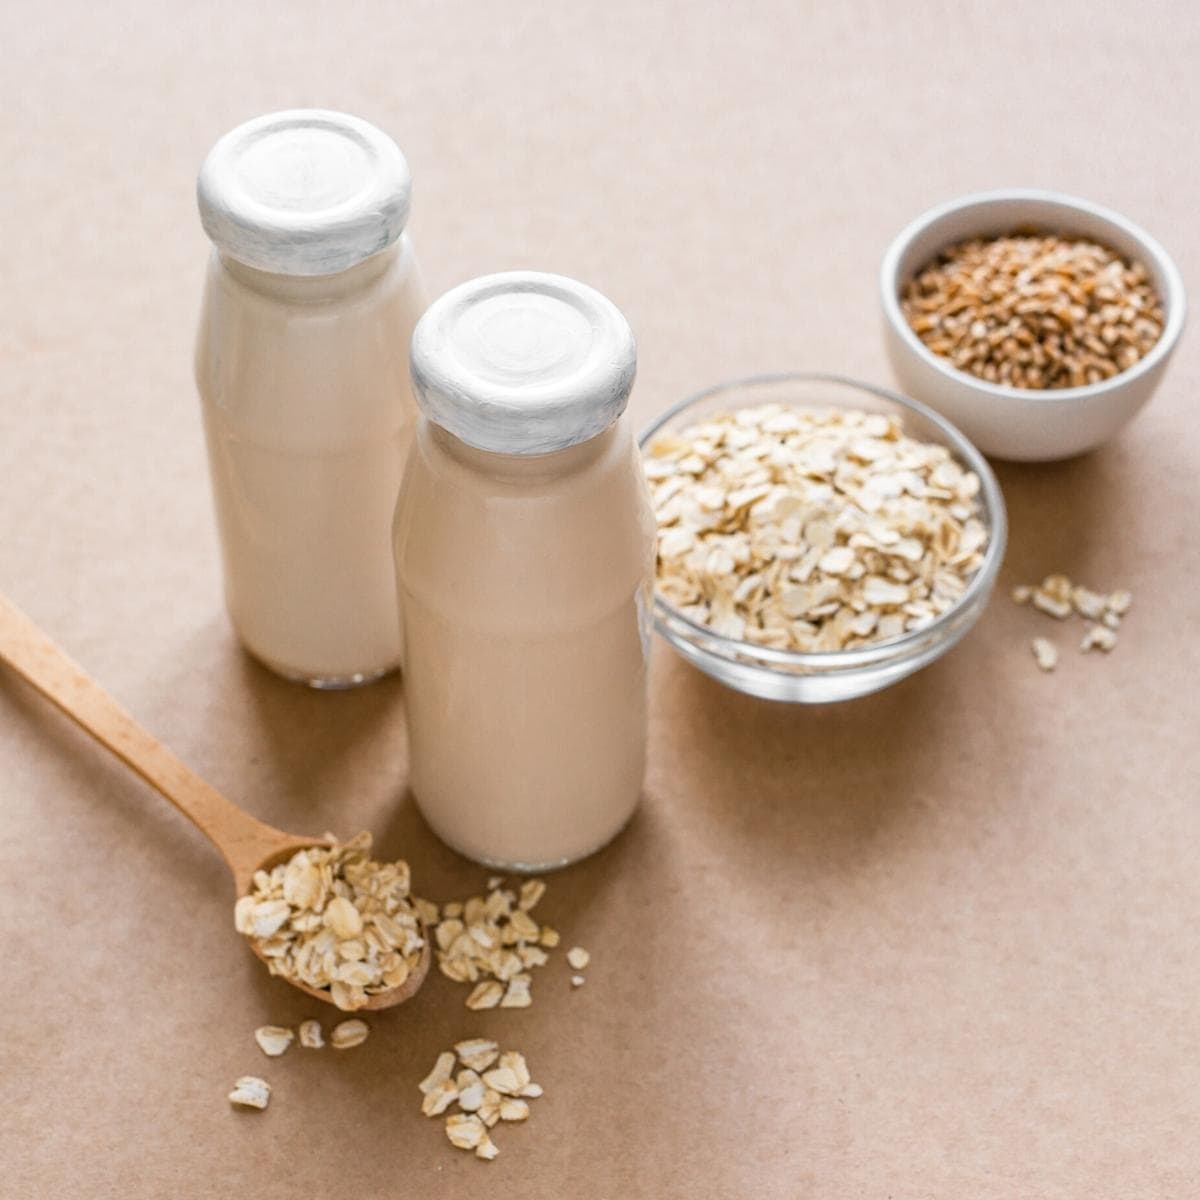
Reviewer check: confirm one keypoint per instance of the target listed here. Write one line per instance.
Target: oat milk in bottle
(525, 548)
(302, 368)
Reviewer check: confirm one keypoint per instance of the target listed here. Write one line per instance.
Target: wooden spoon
(247, 844)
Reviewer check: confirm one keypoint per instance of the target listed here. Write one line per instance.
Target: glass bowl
(817, 677)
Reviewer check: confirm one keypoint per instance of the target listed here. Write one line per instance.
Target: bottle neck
(312, 288)
(524, 467)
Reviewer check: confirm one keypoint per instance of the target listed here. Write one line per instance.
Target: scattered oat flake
(578, 957)
(1098, 637)
(1058, 586)
(487, 994)
(524, 927)
(251, 1092)
(578, 981)
(443, 1069)
(549, 937)
(514, 1061)
(1021, 593)
(273, 1040)
(1120, 602)
(1045, 653)
(1050, 605)
(346, 1034)
(489, 1110)
(487, 1149)
(532, 956)
(477, 1053)
(1088, 604)
(517, 995)
(465, 1130)
(513, 1110)
(311, 1037)
(439, 1098)
(504, 1080)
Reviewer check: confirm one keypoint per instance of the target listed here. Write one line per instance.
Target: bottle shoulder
(587, 531)
(392, 273)
(460, 473)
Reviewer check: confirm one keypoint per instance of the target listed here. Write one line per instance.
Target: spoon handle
(241, 838)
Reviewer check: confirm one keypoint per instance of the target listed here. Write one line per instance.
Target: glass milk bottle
(525, 551)
(302, 368)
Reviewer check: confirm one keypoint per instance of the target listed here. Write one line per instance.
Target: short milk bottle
(302, 368)
(525, 546)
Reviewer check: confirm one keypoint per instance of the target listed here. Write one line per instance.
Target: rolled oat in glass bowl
(843, 565)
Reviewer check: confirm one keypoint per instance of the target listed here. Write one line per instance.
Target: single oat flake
(251, 1092)
(472, 1094)
(503, 1080)
(311, 1037)
(443, 1069)
(1045, 653)
(1051, 605)
(273, 1040)
(513, 1110)
(465, 1130)
(1099, 637)
(487, 994)
(347, 1034)
(578, 957)
(517, 993)
(476, 1053)
(438, 1099)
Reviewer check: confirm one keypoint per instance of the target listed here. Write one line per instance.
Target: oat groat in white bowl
(1083, 306)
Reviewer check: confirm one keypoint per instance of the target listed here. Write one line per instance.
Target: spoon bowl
(243, 879)
(246, 843)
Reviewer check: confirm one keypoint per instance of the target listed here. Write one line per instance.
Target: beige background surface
(937, 943)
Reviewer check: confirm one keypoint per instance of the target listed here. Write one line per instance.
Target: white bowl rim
(893, 648)
(1175, 300)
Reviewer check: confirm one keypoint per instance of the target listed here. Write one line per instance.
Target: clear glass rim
(825, 660)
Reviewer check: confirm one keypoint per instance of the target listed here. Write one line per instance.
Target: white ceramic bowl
(817, 677)
(1025, 424)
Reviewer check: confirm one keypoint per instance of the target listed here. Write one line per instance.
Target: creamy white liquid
(525, 588)
(308, 414)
